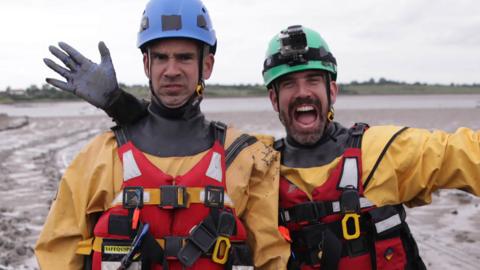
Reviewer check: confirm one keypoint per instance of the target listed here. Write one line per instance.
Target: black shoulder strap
(237, 146)
(356, 134)
(279, 144)
(219, 131)
(374, 169)
(120, 135)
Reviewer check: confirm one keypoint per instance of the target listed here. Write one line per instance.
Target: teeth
(305, 108)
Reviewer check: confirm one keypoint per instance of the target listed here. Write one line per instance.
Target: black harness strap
(121, 135)
(219, 131)
(382, 155)
(279, 144)
(237, 146)
(356, 132)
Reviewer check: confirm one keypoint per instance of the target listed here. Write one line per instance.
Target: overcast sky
(436, 41)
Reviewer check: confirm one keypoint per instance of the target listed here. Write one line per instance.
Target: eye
(185, 57)
(287, 84)
(315, 80)
(160, 57)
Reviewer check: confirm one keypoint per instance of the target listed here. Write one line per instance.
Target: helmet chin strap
(330, 112)
(150, 85)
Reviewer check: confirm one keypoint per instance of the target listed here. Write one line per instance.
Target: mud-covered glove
(95, 83)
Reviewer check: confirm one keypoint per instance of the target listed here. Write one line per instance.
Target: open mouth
(305, 115)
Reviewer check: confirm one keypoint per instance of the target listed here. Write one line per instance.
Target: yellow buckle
(356, 220)
(221, 249)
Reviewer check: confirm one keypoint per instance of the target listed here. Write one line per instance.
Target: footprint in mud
(13, 231)
(464, 237)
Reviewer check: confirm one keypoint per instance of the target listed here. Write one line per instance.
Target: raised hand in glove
(95, 83)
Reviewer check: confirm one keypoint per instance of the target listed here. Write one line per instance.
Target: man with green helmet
(172, 190)
(342, 189)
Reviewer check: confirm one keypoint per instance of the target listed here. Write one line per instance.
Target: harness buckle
(199, 242)
(132, 197)
(226, 224)
(214, 196)
(173, 197)
(221, 249)
(173, 244)
(356, 221)
(349, 200)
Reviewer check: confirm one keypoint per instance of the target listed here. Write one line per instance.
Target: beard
(303, 136)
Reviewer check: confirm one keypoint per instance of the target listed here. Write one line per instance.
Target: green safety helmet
(294, 49)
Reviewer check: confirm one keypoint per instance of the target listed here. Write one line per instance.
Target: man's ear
(146, 63)
(208, 62)
(273, 99)
(334, 88)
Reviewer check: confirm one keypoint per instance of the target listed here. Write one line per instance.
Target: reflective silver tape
(364, 203)
(241, 267)
(130, 167)
(336, 206)
(114, 265)
(286, 215)
(388, 223)
(214, 170)
(349, 173)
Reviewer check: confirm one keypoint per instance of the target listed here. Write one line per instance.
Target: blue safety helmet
(176, 19)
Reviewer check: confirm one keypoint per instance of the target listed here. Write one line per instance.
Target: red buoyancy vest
(169, 221)
(339, 228)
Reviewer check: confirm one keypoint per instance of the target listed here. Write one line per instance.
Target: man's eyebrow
(175, 54)
(315, 74)
(191, 54)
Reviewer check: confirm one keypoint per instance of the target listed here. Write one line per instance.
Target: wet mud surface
(34, 156)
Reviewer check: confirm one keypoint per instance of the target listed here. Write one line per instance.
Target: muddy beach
(33, 157)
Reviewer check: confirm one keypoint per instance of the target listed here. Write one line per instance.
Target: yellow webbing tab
(84, 247)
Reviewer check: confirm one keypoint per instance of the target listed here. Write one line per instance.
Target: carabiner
(221, 249)
(356, 220)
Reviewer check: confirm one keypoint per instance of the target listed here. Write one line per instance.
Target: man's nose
(171, 69)
(303, 90)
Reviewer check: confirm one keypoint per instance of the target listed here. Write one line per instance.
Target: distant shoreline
(50, 94)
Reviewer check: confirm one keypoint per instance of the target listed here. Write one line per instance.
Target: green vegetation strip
(371, 87)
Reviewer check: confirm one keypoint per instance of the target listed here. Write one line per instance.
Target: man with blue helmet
(172, 190)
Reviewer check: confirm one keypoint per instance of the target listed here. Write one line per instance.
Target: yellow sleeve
(418, 162)
(257, 204)
(86, 187)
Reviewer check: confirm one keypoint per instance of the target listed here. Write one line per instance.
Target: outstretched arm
(95, 83)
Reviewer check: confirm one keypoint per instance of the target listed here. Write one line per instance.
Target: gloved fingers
(67, 60)
(57, 68)
(104, 52)
(68, 87)
(74, 54)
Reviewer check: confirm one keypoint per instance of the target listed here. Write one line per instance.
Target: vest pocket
(111, 255)
(390, 254)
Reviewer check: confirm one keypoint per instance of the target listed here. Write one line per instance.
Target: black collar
(329, 147)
